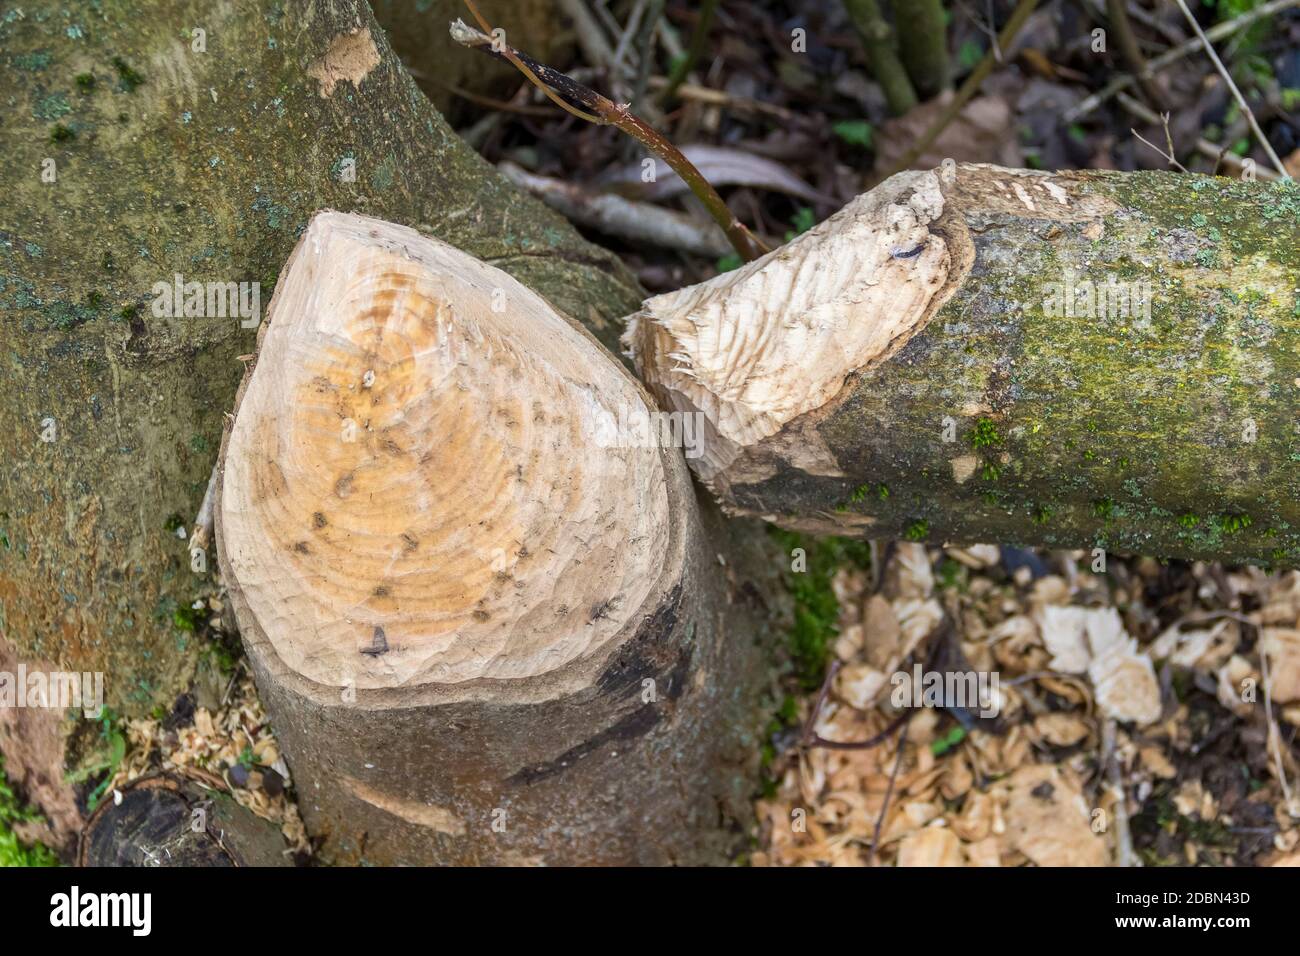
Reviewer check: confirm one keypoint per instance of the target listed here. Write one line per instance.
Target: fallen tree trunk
(193, 141)
(1083, 359)
(483, 612)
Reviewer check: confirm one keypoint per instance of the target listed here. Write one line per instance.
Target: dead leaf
(1049, 821)
(933, 846)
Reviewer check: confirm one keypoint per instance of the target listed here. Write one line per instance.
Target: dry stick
(1117, 10)
(618, 216)
(1169, 156)
(968, 89)
(742, 104)
(1114, 778)
(645, 41)
(889, 791)
(684, 66)
(1241, 100)
(1217, 32)
(568, 92)
(633, 29)
(1203, 145)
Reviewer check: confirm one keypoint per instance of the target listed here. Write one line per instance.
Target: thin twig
(1169, 156)
(809, 727)
(616, 215)
(587, 104)
(1241, 100)
(968, 89)
(591, 37)
(1203, 146)
(889, 791)
(1115, 779)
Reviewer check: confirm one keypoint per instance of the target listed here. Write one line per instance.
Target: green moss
(984, 434)
(85, 82)
(108, 756)
(918, 530)
(129, 79)
(1232, 523)
(61, 134)
(816, 609)
(52, 107)
(186, 618)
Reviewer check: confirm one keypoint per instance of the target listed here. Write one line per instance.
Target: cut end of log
(420, 486)
(776, 339)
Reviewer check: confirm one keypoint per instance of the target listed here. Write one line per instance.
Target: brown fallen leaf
(933, 846)
(1049, 821)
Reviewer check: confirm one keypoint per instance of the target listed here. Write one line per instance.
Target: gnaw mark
(378, 644)
(898, 252)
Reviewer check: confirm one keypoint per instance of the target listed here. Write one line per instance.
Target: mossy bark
(204, 155)
(1014, 417)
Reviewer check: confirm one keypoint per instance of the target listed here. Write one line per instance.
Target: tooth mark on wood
(378, 644)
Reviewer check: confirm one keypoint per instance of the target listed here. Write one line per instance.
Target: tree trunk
(973, 354)
(138, 148)
(485, 617)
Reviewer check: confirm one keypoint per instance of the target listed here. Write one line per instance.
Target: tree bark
(1083, 359)
(488, 622)
(161, 158)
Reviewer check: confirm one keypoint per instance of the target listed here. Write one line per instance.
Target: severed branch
(587, 104)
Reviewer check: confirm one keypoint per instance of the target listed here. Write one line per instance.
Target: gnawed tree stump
(486, 626)
(1083, 359)
(192, 139)
(179, 820)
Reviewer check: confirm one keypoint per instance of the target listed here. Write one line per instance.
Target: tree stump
(488, 624)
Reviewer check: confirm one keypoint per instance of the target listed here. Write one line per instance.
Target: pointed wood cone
(472, 580)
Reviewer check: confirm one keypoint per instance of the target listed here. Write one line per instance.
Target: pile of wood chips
(1135, 726)
(232, 741)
